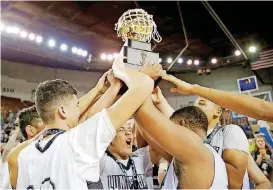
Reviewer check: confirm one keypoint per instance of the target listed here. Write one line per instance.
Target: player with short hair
(68, 154)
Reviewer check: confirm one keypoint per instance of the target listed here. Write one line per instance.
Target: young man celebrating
(229, 141)
(68, 154)
(30, 125)
(187, 133)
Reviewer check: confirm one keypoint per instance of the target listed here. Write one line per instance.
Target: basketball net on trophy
(137, 28)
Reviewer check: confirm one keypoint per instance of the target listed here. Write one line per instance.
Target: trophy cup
(137, 28)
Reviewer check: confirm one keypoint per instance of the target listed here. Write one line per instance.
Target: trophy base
(138, 54)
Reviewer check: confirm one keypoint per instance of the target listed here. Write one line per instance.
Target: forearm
(246, 105)
(257, 176)
(235, 180)
(105, 101)
(165, 108)
(87, 99)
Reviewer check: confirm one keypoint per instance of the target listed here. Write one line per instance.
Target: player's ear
(182, 123)
(30, 131)
(62, 112)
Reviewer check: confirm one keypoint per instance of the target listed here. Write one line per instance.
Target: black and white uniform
(220, 180)
(71, 159)
(125, 174)
(230, 137)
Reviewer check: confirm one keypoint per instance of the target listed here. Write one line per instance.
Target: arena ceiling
(90, 25)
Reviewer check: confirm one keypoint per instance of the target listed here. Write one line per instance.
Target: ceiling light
(180, 60)
(64, 47)
(159, 60)
(74, 50)
(51, 43)
(23, 34)
(84, 53)
(31, 36)
(213, 60)
(237, 53)
(189, 62)
(169, 60)
(196, 62)
(110, 57)
(2, 26)
(39, 39)
(103, 56)
(252, 49)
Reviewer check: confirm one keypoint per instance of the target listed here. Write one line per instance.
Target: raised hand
(112, 79)
(153, 70)
(181, 86)
(102, 84)
(156, 96)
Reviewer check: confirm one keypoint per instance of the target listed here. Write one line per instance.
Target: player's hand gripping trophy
(137, 28)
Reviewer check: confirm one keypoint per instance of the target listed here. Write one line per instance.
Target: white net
(137, 24)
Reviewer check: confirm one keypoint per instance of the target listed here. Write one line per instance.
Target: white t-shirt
(231, 137)
(112, 177)
(220, 180)
(72, 158)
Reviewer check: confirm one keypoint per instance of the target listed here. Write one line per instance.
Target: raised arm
(140, 86)
(87, 99)
(246, 105)
(171, 137)
(108, 98)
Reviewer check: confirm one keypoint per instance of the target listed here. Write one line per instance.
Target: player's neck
(58, 125)
(118, 156)
(213, 123)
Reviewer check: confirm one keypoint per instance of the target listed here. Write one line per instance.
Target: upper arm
(89, 141)
(13, 170)
(235, 153)
(256, 175)
(178, 141)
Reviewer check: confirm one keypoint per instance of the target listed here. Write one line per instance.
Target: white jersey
(231, 137)
(220, 180)
(70, 160)
(5, 184)
(112, 177)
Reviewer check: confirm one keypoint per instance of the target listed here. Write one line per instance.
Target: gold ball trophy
(137, 28)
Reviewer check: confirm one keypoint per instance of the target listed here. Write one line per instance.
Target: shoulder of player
(231, 128)
(24, 153)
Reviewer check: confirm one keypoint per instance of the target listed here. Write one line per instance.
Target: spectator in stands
(263, 155)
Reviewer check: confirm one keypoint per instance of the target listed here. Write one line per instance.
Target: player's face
(260, 142)
(208, 107)
(123, 142)
(72, 112)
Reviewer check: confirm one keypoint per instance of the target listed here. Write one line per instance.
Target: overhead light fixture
(115, 55)
(159, 60)
(31, 36)
(74, 50)
(64, 47)
(2, 26)
(169, 60)
(237, 53)
(180, 60)
(213, 60)
(51, 43)
(12, 30)
(39, 39)
(23, 34)
(109, 57)
(84, 53)
(189, 62)
(103, 56)
(79, 52)
(196, 62)
(252, 49)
